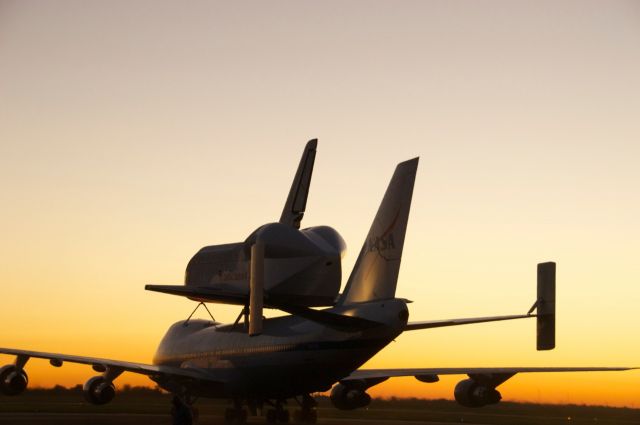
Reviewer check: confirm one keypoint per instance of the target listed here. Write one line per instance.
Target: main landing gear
(236, 414)
(307, 414)
(276, 413)
(279, 414)
(182, 412)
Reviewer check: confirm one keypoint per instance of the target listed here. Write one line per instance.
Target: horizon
(325, 395)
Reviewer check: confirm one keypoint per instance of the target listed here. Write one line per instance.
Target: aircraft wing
(101, 365)
(490, 373)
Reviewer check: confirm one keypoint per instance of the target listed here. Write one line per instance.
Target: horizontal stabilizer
(331, 320)
(412, 326)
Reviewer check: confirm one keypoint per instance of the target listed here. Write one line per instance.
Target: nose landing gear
(279, 414)
(182, 412)
(276, 413)
(236, 414)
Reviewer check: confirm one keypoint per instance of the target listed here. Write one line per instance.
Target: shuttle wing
(117, 365)
(202, 293)
(235, 297)
(325, 317)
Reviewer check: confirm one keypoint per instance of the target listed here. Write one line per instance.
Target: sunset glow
(133, 134)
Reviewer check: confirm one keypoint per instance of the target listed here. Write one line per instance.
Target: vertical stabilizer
(297, 200)
(546, 329)
(375, 274)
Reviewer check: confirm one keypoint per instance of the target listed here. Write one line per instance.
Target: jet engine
(470, 393)
(98, 390)
(348, 398)
(13, 381)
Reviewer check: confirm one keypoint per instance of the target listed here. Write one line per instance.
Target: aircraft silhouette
(260, 363)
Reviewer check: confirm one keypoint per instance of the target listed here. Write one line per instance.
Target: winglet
(297, 200)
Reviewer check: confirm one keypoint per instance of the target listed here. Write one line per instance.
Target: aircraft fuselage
(292, 356)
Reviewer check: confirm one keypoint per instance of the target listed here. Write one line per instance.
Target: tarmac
(157, 419)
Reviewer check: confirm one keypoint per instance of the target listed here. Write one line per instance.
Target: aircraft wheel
(181, 413)
(271, 416)
(283, 416)
(229, 415)
(311, 417)
(13, 381)
(235, 416)
(306, 416)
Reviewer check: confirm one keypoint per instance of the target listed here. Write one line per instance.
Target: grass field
(136, 406)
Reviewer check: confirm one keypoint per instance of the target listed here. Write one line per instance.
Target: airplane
(259, 363)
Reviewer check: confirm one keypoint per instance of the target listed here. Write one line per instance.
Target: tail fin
(297, 199)
(375, 274)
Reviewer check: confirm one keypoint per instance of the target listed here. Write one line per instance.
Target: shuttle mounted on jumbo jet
(261, 363)
(299, 268)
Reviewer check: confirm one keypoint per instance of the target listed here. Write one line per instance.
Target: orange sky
(134, 134)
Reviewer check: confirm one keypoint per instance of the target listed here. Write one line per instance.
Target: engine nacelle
(347, 398)
(98, 390)
(470, 393)
(13, 381)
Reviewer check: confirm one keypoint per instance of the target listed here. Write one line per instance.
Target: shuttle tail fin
(296, 204)
(375, 274)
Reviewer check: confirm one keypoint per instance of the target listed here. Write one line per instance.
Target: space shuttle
(278, 265)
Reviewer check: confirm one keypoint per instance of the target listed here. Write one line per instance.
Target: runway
(148, 407)
(158, 419)
(41, 418)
